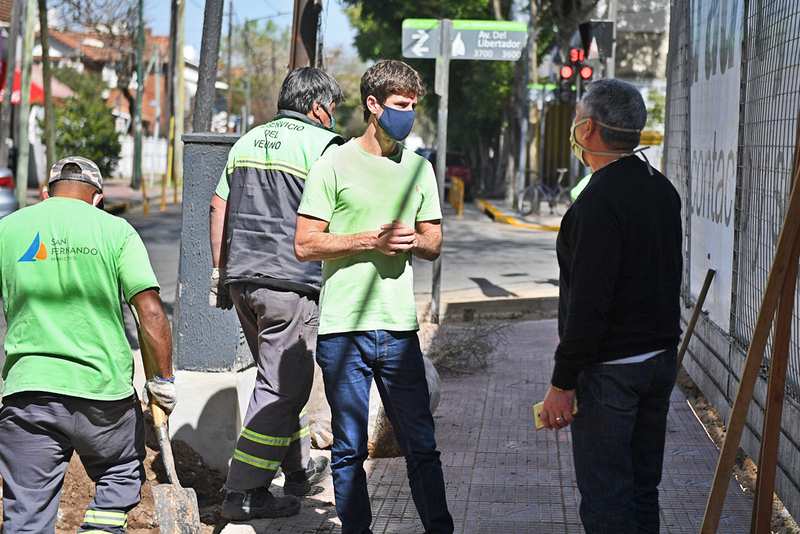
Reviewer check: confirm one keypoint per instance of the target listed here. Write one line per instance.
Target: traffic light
(566, 74)
(586, 72)
(577, 55)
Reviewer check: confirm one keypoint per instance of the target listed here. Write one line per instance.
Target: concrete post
(209, 355)
(206, 338)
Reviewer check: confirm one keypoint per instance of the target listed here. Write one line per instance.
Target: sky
(337, 29)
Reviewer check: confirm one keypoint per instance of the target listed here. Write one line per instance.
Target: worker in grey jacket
(252, 220)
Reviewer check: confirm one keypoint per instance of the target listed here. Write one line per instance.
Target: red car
(456, 165)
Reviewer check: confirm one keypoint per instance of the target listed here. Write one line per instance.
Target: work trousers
(38, 434)
(281, 330)
(618, 443)
(349, 362)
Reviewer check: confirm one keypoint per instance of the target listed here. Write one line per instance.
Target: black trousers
(618, 443)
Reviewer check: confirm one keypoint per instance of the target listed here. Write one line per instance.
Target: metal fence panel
(771, 103)
(677, 130)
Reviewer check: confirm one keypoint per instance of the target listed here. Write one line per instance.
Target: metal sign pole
(442, 89)
(443, 40)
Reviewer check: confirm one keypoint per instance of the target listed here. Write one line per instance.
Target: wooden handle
(160, 418)
(698, 307)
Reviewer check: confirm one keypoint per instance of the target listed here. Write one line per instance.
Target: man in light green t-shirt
(367, 208)
(68, 372)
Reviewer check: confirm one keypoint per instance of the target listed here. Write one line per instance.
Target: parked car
(456, 165)
(8, 198)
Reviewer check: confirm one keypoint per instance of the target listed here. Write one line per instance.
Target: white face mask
(578, 149)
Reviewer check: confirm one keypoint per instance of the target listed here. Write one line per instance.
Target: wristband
(158, 378)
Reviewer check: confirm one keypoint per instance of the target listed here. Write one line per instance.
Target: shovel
(176, 507)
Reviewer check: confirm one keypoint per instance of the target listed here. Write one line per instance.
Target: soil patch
(78, 489)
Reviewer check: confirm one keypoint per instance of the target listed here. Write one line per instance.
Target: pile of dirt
(193, 473)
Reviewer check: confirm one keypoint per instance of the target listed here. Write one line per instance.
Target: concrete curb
(497, 214)
(522, 308)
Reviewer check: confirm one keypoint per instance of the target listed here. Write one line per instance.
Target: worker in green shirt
(68, 374)
(367, 208)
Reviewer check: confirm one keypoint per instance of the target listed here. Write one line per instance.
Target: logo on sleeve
(36, 252)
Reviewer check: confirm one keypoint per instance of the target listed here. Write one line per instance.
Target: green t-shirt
(223, 189)
(579, 187)
(355, 191)
(63, 265)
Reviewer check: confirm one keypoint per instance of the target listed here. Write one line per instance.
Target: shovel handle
(159, 416)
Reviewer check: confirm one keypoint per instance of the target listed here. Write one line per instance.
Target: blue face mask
(397, 123)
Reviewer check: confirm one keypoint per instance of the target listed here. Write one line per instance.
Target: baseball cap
(89, 174)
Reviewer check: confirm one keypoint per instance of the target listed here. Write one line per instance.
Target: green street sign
(494, 40)
(542, 86)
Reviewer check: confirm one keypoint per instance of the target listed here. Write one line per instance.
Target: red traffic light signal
(586, 72)
(566, 72)
(577, 55)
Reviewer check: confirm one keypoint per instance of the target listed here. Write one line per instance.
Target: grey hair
(306, 85)
(619, 104)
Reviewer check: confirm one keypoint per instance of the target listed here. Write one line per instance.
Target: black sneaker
(258, 504)
(300, 483)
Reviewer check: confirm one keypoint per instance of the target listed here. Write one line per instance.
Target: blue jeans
(349, 361)
(618, 443)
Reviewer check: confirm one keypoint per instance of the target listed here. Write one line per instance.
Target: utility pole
(207, 72)
(229, 73)
(528, 57)
(49, 116)
(167, 177)
(305, 24)
(157, 71)
(180, 98)
(11, 66)
(612, 16)
(245, 122)
(25, 104)
(442, 89)
(137, 118)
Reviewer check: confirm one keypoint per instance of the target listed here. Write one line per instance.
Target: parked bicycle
(529, 201)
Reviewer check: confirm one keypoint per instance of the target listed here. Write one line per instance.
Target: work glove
(162, 392)
(218, 295)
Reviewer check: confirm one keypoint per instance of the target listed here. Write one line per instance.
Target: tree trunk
(49, 117)
(126, 92)
(498, 9)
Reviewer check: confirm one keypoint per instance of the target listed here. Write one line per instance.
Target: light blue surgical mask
(331, 117)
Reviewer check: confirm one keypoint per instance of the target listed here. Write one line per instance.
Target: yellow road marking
(495, 213)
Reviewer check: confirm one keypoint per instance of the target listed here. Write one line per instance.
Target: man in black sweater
(620, 255)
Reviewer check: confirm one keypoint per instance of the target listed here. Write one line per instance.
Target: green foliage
(347, 70)
(655, 113)
(85, 125)
(260, 53)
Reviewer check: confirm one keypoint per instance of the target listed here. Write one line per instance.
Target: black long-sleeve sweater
(620, 254)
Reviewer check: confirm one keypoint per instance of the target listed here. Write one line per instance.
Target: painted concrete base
(211, 408)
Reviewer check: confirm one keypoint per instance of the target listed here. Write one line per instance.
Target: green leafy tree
(85, 125)
(347, 70)
(655, 115)
(115, 24)
(260, 52)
